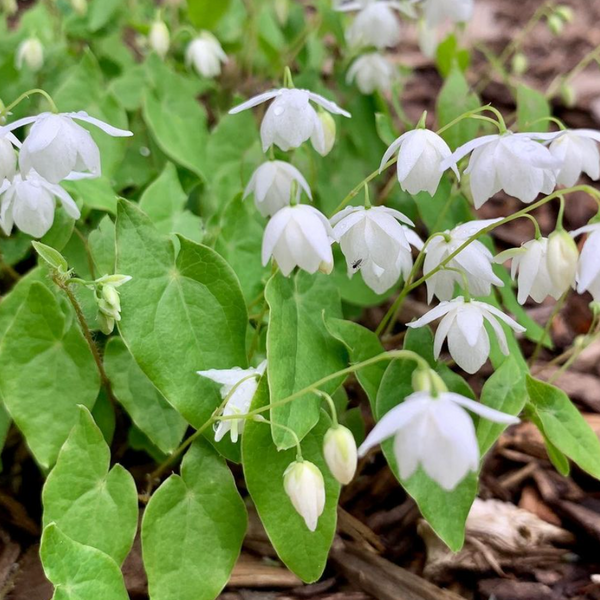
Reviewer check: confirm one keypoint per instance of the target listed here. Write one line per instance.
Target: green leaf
(101, 243)
(193, 529)
(181, 313)
(89, 503)
(102, 12)
(300, 350)
(564, 426)
(531, 107)
(164, 202)
(47, 370)
(53, 257)
(444, 210)
(446, 512)
(305, 553)
(79, 572)
(205, 14)
(455, 99)
(449, 55)
(96, 194)
(504, 391)
(146, 406)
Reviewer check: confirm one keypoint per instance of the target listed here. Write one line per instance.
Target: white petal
(256, 100)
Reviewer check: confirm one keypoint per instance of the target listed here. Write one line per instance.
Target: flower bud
(115, 280)
(329, 131)
(519, 63)
(555, 24)
(562, 259)
(159, 38)
(282, 10)
(80, 7)
(106, 323)
(565, 13)
(31, 53)
(303, 483)
(9, 7)
(568, 95)
(427, 380)
(340, 452)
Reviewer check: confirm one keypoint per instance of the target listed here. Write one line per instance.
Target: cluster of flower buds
(56, 149)
(108, 300)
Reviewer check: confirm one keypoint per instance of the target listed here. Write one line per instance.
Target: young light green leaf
(146, 406)
(47, 370)
(193, 529)
(180, 313)
(300, 350)
(564, 426)
(53, 257)
(79, 572)
(305, 553)
(205, 14)
(89, 503)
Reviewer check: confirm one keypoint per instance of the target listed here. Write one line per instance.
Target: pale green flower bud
(9, 7)
(427, 380)
(562, 258)
(565, 13)
(107, 324)
(80, 7)
(111, 296)
(329, 131)
(519, 63)
(159, 38)
(340, 452)
(568, 95)
(115, 280)
(305, 487)
(282, 10)
(555, 24)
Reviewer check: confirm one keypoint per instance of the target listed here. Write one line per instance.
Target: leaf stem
(25, 95)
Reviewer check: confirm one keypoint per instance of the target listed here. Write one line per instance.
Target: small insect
(356, 265)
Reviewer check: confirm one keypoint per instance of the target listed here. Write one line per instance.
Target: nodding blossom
(577, 150)
(30, 53)
(305, 487)
(372, 72)
(339, 449)
(206, 55)
(159, 38)
(588, 269)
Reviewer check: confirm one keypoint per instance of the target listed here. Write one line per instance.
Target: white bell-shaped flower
(530, 261)
(374, 243)
(8, 157)
(339, 449)
(376, 23)
(475, 261)
(588, 270)
(240, 385)
(305, 487)
(463, 325)
(299, 236)
(420, 156)
(577, 150)
(159, 38)
(271, 185)
(206, 55)
(436, 12)
(291, 120)
(563, 257)
(513, 162)
(372, 72)
(28, 201)
(436, 433)
(58, 148)
(31, 54)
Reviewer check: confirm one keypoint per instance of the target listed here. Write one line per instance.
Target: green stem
(289, 430)
(538, 233)
(25, 95)
(332, 408)
(546, 335)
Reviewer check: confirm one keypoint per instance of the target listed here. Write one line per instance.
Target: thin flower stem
(589, 58)
(546, 335)
(538, 233)
(332, 408)
(465, 281)
(25, 95)
(299, 457)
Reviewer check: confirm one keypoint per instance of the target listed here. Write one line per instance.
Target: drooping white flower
(463, 325)
(245, 382)
(420, 156)
(436, 12)
(339, 449)
(376, 23)
(305, 487)
(205, 54)
(436, 433)
(291, 120)
(588, 270)
(475, 261)
(8, 158)
(31, 54)
(577, 150)
(530, 261)
(371, 72)
(159, 38)
(563, 257)
(374, 243)
(58, 148)
(271, 185)
(299, 236)
(513, 162)
(28, 201)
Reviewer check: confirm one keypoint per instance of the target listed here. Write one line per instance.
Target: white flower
(376, 24)
(420, 156)
(588, 271)
(435, 433)
(206, 55)
(475, 261)
(530, 261)
(513, 162)
(372, 72)
(339, 449)
(463, 325)
(438, 11)
(8, 157)
(58, 148)
(159, 38)
(31, 54)
(291, 120)
(299, 236)
(303, 483)
(563, 256)
(271, 185)
(28, 201)
(245, 382)
(373, 241)
(577, 150)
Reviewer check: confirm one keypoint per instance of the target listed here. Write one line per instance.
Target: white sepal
(305, 487)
